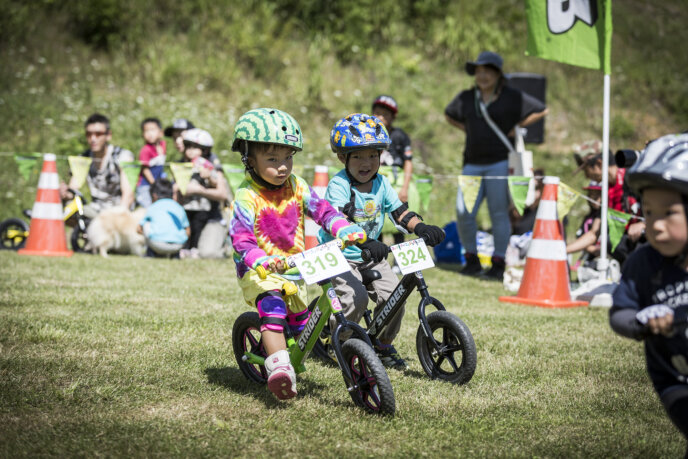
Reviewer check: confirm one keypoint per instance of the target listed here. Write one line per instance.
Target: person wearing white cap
(488, 114)
(205, 193)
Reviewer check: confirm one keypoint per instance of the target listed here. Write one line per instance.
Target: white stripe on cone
(544, 249)
(47, 211)
(547, 210)
(49, 181)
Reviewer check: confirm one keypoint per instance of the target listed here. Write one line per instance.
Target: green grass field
(132, 357)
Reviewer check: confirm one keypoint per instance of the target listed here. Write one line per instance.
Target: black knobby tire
(246, 337)
(373, 389)
(79, 238)
(456, 358)
(13, 225)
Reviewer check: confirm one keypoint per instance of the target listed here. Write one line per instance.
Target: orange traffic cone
(319, 186)
(546, 278)
(47, 232)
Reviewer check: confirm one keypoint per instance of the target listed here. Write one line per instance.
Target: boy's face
(363, 164)
(593, 171)
(385, 114)
(152, 133)
(274, 164)
(97, 136)
(665, 220)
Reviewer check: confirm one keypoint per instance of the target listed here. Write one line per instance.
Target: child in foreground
(365, 197)
(651, 302)
(267, 225)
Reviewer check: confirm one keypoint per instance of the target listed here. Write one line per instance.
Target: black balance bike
(444, 343)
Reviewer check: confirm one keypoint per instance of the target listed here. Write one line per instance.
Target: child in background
(152, 159)
(587, 236)
(366, 197)
(267, 225)
(165, 225)
(398, 154)
(206, 193)
(651, 303)
(175, 132)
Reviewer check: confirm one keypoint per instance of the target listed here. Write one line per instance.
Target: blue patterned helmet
(358, 132)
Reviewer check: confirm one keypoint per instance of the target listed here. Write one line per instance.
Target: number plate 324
(412, 256)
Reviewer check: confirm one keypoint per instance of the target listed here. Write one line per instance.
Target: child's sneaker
(390, 358)
(281, 375)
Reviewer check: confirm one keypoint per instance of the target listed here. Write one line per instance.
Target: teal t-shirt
(371, 208)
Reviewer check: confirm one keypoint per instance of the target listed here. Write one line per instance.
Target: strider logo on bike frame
(398, 297)
(310, 326)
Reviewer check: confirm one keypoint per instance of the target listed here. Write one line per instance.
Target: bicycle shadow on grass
(233, 379)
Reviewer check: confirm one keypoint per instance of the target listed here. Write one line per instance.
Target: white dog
(114, 230)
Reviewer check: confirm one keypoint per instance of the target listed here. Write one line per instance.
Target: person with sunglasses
(204, 196)
(106, 179)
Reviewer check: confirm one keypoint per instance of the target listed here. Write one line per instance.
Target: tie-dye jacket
(271, 222)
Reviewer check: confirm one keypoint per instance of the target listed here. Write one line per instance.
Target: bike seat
(369, 276)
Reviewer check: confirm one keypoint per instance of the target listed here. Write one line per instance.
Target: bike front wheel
(79, 237)
(371, 387)
(449, 354)
(246, 338)
(13, 233)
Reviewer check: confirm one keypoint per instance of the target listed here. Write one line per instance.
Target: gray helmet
(663, 163)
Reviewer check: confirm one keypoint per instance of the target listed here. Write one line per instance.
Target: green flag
(576, 32)
(616, 221)
(27, 164)
(566, 198)
(234, 174)
(518, 187)
(470, 186)
(131, 169)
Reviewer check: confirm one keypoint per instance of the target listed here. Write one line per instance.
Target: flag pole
(603, 262)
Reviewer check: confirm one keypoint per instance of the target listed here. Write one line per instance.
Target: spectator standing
(488, 114)
(152, 159)
(399, 154)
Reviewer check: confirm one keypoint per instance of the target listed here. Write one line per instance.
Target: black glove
(432, 234)
(373, 249)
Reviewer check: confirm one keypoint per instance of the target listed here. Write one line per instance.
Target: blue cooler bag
(449, 250)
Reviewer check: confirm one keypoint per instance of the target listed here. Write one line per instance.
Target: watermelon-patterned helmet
(267, 125)
(358, 132)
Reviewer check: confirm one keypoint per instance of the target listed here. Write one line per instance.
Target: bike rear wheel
(371, 387)
(450, 353)
(13, 233)
(246, 338)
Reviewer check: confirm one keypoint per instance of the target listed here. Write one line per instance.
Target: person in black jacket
(486, 152)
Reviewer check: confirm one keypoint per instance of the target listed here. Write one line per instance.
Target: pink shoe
(282, 383)
(281, 375)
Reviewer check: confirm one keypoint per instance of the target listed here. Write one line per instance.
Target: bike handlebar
(367, 256)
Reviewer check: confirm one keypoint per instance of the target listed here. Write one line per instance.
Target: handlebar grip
(262, 272)
(366, 255)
